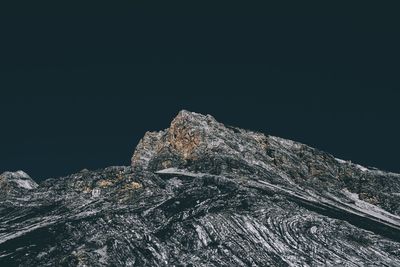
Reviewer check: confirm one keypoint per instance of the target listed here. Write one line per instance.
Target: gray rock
(16, 182)
(204, 194)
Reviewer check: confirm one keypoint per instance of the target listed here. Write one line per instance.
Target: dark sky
(80, 86)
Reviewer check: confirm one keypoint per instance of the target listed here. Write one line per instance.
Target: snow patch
(27, 184)
(340, 161)
(362, 168)
(179, 172)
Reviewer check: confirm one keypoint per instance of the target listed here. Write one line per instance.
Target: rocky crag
(204, 194)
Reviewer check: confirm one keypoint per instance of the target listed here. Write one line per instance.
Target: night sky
(80, 86)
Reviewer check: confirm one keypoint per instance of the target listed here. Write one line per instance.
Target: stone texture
(204, 194)
(15, 182)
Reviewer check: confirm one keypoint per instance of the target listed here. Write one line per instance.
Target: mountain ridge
(202, 193)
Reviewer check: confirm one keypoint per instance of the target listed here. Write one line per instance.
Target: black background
(81, 85)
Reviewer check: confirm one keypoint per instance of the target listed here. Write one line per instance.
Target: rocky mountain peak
(14, 181)
(186, 133)
(202, 193)
(200, 144)
(193, 137)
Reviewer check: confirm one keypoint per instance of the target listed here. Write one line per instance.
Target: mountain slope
(204, 194)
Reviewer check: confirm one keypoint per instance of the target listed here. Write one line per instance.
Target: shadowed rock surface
(204, 194)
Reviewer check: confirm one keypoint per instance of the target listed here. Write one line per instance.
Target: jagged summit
(185, 134)
(204, 194)
(191, 137)
(199, 143)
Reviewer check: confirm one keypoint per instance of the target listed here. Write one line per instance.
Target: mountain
(12, 182)
(201, 193)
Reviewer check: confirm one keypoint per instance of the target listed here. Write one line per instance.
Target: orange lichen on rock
(182, 138)
(262, 140)
(105, 183)
(87, 190)
(133, 185)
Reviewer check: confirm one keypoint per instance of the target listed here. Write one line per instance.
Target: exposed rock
(204, 194)
(16, 182)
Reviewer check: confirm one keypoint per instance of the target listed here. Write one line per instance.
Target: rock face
(15, 182)
(204, 194)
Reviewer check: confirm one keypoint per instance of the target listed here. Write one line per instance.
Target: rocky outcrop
(194, 138)
(199, 143)
(16, 182)
(204, 194)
